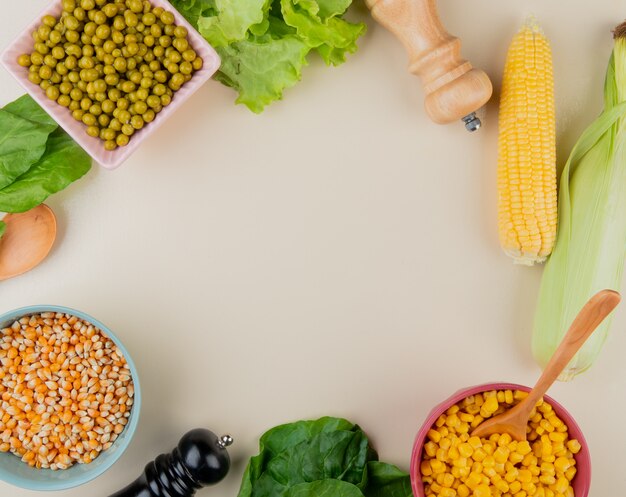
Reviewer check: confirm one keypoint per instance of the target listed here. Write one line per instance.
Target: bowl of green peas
(110, 72)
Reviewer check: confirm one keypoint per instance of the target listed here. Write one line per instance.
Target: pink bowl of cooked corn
(447, 461)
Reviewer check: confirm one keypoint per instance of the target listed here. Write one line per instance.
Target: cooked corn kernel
(456, 464)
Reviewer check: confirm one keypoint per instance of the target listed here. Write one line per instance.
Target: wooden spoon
(515, 420)
(28, 238)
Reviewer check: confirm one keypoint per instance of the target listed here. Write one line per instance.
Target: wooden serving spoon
(515, 420)
(454, 90)
(28, 238)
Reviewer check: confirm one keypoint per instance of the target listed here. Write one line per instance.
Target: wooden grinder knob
(454, 90)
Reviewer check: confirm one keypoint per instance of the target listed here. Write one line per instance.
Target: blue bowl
(15, 472)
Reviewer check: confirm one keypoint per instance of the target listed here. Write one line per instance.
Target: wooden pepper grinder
(454, 90)
(200, 459)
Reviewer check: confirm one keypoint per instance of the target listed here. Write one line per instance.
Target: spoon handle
(588, 319)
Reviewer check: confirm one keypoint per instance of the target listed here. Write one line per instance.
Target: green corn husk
(591, 240)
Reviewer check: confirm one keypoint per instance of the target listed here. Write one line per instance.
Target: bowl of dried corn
(69, 398)
(448, 462)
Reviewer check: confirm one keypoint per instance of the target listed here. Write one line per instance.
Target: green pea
(90, 28)
(185, 67)
(74, 50)
(165, 41)
(95, 109)
(119, 24)
(132, 49)
(131, 64)
(161, 76)
(64, 100)
(69, 5)
(34, 78)
(123, 104)
(101, 96)
(127, 129)
(115, 124)
(81, 85)
(110, 10)
(112, 79)
(110, 145)
(86, 63)
(135, 5)
(24, 60)
(123, 116)
(50, 61)
(140, 107)
(178, 79)
(55, 37)
(85, 103)
(74, 77)
(172, 67)
(88, 4)
(132, 97)
(58, 53)
(122, 140)
(180, 32)
(142, 94)
(149, 116)
(148, 19)
(103, 32)
(169, 30)
(100, 18)
(104, 120)
(197, 63)
(80, 14)
(36, 58)
(153, 101)
(52, 93)
(181, 44)
(76, 94)
(44, 31)
(72, 36)
(93, 130)
(155, 30)
(108, 106)
(56, 78)
(108, 59)
(135, 77)
(120, 64)
(65, 88)
(74, 105)
(88, 51)
(61, 69)
(114, 94)
(42, 48)
(45, 72)
(89, 119)
(131, 19)
(158, 51)
(45, 84)
(127, 86)
(78, 114)
(175, 57)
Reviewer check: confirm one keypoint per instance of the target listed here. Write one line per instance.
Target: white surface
(336, 255)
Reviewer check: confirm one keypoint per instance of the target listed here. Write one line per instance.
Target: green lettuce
(3, 228)
(264, 44)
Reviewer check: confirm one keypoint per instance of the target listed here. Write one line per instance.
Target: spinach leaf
(22, 143)
(3, 227)
(386, 480)
(26, 108)
(325, 488)
(62, 163)
(328, 456)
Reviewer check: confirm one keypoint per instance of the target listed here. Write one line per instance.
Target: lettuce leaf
(264, 44)
(3, 227)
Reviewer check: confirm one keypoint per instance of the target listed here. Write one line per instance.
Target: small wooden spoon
(28, 238)
(515, 420)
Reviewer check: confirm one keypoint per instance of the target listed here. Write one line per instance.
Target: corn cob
(527, 193)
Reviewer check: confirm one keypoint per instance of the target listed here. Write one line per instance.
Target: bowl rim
(583, 458)
(133, 421)
(94, 147)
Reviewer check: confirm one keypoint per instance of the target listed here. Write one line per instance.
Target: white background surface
(337, 255)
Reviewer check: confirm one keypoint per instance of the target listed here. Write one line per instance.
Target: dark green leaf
(26, 108)
(386, 480)
(62, 163)
(22, 143)
(3, 228)
(325, 488)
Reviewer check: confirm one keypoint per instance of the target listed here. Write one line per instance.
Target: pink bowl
(94, 146)
(582, 480)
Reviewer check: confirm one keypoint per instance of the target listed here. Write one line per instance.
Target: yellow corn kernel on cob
(527, 191)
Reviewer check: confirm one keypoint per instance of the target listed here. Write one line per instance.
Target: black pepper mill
(200, 459)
